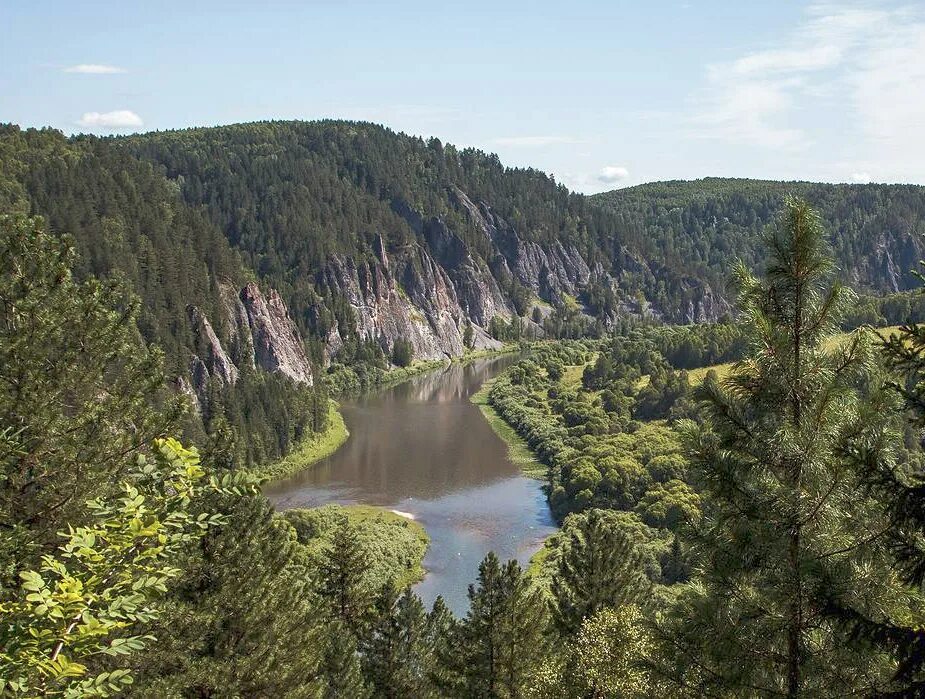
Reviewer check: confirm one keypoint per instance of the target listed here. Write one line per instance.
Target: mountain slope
(876, 231)
(261, 248)
(373, 234)
(219, 330)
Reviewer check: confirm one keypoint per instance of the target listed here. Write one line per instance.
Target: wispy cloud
(119, 119)
(94, 69)
(611, 174)
(865, 61)
(533, 141)
(860, 177)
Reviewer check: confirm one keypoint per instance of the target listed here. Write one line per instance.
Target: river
(423, 448)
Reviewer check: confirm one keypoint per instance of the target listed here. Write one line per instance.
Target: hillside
(418, 236)
(876, 231)
(369, 233)
(228, 342)
(263, 252)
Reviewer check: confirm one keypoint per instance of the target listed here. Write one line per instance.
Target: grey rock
(277, 344)
(217, 362)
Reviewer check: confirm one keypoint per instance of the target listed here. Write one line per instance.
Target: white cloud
(533, 141)
(94, 69)
(612, 174)
(859, 65)
(603, 180)
(746, 112)
(860, 177)
(119, 119)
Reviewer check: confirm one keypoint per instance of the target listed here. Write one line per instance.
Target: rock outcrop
(477, 291)
(403, 296)
(236, 326)
(547, 271)
(705, 307)
(215, 361)
(426, 292)
(277, 344)
(259, 333)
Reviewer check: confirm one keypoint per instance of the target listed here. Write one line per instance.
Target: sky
(598, 94)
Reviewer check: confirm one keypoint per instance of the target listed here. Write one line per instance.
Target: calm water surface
(423, 448)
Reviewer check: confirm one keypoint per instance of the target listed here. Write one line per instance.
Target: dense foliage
(754, 530)
(127, 222)
(290, 195)
(788, 531)
(700, 226)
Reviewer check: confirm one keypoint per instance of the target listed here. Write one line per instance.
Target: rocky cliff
(427, 291)
(258, 332)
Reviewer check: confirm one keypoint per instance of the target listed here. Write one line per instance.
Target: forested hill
(418, 237)
(372, 233)
(228, 342)
(876, 231)
(283, 245)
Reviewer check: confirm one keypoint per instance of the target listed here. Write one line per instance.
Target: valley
(320, 409)
(422, 448)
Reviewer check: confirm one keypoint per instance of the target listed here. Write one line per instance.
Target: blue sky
(600, 94)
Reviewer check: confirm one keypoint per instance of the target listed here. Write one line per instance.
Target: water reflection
(422, 447)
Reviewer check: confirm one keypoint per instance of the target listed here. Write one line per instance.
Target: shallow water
(424, 449)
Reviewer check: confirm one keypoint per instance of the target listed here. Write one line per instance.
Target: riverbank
(394, 544)
(348, 381)
(310, 450)
(519, 452)
(317, 447)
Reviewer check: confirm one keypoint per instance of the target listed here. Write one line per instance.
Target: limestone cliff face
(236, 326)
(276, 341)
(405, 295)
(548, 271)
(477, 291)
(258, 333)
(429, 291)
(426, 292)
(215, 361)
(705, 307)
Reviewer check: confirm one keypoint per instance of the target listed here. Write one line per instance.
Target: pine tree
(396, 657)
(525, 626)
(468, 335)
(441, 633)
(675, 567)
(341, 675)
(903, 489)
(598, 567)
(341, 580)
(788, 530)
(77, 388)
(242, 620)
(502, 639)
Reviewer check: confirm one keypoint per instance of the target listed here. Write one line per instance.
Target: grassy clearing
(394, 545)
(310, 450)
(518, 451)
(539, 567)
(571, 375)
(696, 376)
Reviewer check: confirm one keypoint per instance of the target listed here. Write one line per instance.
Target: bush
(402, 353)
